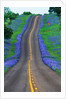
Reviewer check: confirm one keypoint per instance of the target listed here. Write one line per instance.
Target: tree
(56, 10)
(9, 14)
(7, 32)
(27, 13)
(51, 9)
(8, 17)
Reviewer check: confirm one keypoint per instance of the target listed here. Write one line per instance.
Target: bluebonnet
(53, 64)
(55, 42)
(7, 46)
(47, 58)
(52, 19)
(59, 53)
(9, 62)
(56, 49)
(42, 23)
(15, 23)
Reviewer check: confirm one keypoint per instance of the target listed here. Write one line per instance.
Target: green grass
(5, 71)
(52, 31)
(14, 36)
(58, 71)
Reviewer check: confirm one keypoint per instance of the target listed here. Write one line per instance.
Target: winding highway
(30, 74)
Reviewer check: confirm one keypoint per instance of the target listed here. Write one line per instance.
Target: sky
(34, 10)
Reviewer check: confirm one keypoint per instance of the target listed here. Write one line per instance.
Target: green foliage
(39, 14)
(7, 22)
(58, 71)
(27, 13)
(51, 9)
(7, 32)
(9, 14)
(8, 17)
(55, 9)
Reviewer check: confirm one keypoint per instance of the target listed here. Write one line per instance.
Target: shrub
(27, 13)
(7, 32)
(55, 9)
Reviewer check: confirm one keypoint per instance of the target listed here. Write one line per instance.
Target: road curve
(30, 74)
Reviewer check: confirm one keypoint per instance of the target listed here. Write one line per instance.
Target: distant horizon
(33, 10)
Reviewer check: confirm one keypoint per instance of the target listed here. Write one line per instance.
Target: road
(30, 74)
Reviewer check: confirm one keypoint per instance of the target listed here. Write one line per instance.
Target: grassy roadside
(18, 25)
(15, 33)
(51, 34)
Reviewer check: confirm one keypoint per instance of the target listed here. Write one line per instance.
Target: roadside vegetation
(8, 17)
(17, 31)
(51, 34)
(13, 29)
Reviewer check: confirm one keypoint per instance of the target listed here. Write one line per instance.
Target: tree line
(9, 16)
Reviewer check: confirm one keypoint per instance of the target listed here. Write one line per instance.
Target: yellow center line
(31, 86)
(32, 90)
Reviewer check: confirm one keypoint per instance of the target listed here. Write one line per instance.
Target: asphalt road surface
(30, 74)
